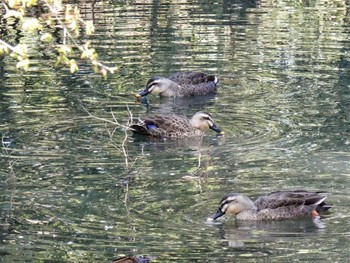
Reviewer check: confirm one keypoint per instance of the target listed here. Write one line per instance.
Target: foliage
(53, 15)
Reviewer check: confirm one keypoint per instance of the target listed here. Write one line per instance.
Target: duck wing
(296, 198)
(192, 78)
(162, 126)
(145, 127)
(198, 89)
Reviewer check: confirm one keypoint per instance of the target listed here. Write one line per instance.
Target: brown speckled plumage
(181, 84)
(275, 205)
(175, 126)
(191, 77)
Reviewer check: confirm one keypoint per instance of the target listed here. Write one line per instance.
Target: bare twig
(7, 155)
(199, 151)
(126, 194)
(128, 165)
(105, 120)
(12, 48)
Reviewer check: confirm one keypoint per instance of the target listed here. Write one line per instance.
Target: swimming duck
(175, 126)
(181, 84)
(275, 205)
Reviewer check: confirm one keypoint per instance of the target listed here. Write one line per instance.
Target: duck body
(181, 84)
(162, 126)
(273, 206)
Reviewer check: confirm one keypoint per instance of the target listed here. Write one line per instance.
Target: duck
(181, 84)
(163, 126)
(273, 206)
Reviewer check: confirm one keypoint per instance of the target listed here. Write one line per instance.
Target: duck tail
(323, 207)
(139, 129)
(317, 200)
(213, 79)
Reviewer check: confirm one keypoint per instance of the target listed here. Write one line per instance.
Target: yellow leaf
(47, 37)
(49, 21)
(73, 66)
(30, 3)
(95, 68)
(62, 59)
(14, 55)
(89, 27)
(31, 25)
(77, 11)
(13, 13)
(65, 49)
(94, 56)
(104, 73)
(4, 50)
(83, 55)
(112, 70)
(73, 25)
(24, 64)
(21, 49)
(68, 9)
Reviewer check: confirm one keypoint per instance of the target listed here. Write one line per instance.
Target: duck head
(158, 86)
(203, 121)
(233, 204)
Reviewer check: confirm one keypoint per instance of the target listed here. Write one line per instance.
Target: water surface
(71, 192)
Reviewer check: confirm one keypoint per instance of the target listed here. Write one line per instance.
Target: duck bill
(217, 129)
(142, 93)
(218, 214)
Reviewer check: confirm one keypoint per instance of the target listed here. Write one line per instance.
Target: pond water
(70, 191)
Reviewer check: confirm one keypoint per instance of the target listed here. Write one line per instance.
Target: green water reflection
(69, 194)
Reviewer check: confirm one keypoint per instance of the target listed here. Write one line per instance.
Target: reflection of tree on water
(174, 154)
